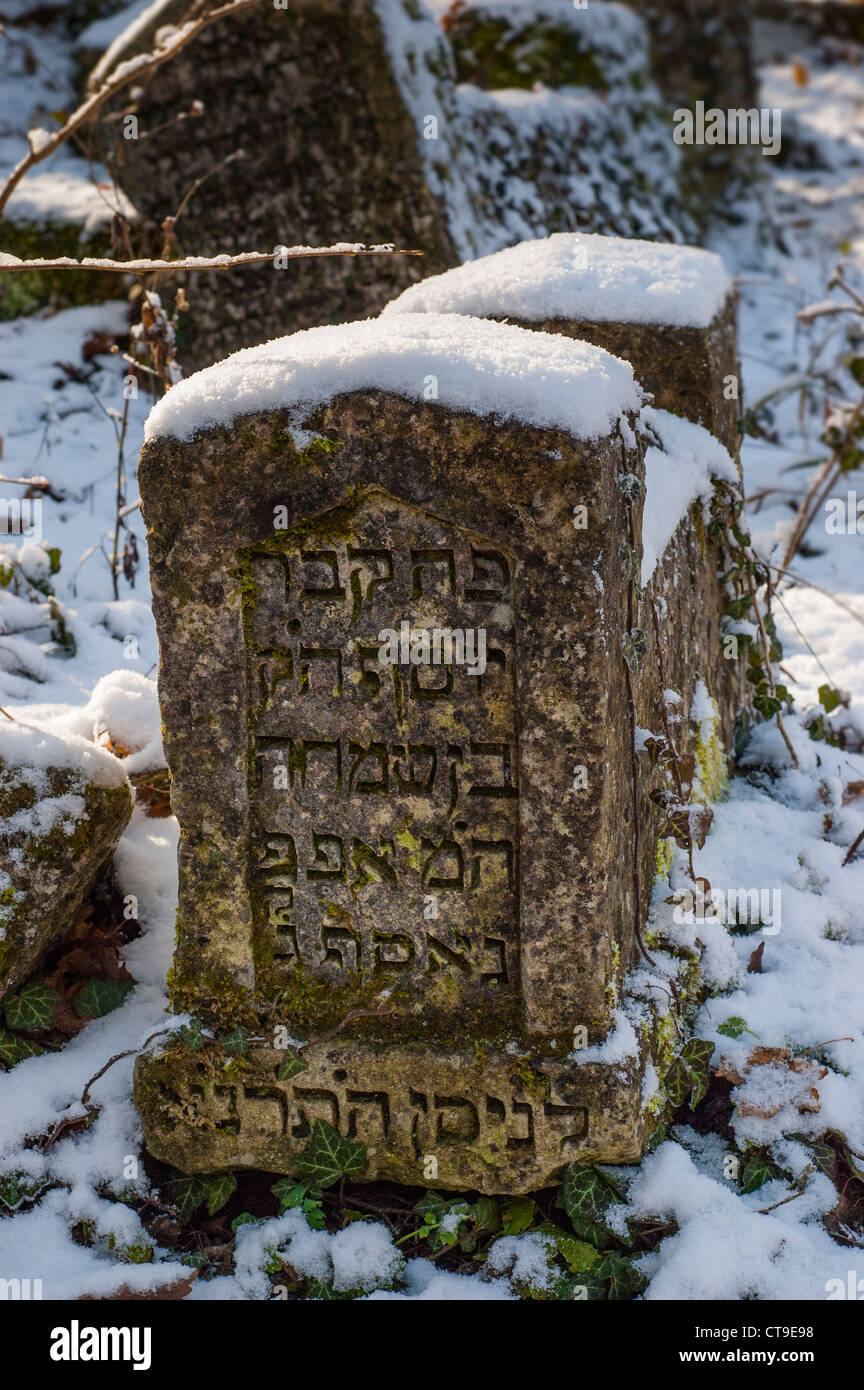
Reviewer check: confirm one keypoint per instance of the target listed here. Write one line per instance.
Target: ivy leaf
(193, 1035)
(244, 1219)
(186, 1192)
(623, 1278)
(328, 1157)
(15, 1049)
(100, 997)
(687, 1078)
(236, 1042)
(432, 1206)
(634, 645)
(485, 1214)
(824, 1156)
(755, 1174)
(586, 1197)
(292, 1066)
(33, 1009)
(517, 1215)
(738, 608)
(767, 705)
(323, 1292)
(578, 1255)
(314, 1213)
(829, 697)
(289, 1193)
(584, 1288)
(219, 1189)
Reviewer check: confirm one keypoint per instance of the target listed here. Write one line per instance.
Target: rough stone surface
(684, 369)
(58, 828)
(455, 506)
(496, 1122)
(329, 155)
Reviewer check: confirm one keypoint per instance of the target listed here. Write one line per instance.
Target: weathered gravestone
(63, 806)
(370, 121)
(670, 312)
(388, 873)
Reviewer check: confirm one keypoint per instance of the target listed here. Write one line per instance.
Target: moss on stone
(51, 870)
(494, 53)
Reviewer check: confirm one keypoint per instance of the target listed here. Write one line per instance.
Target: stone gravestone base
(388, 876)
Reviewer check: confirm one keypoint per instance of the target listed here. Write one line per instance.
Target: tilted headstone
(64, 804)
(368, 121)
(388, 873)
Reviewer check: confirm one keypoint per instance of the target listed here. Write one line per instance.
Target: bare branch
(40, 484)
(13, 265)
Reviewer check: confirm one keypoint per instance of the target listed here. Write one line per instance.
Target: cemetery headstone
(365, 121)
(385, 648)
(64, 804)
(668, 310)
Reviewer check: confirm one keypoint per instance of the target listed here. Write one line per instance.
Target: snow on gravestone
(402, 837)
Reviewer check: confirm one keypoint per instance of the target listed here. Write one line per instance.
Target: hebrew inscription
(381, 670)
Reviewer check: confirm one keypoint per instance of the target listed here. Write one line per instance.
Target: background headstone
(667, 310)
(670, 312)
(364, 120)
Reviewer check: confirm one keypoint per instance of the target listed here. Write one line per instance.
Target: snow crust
(579, 275)
(477, 365)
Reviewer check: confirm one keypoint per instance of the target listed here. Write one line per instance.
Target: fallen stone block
(64, 804)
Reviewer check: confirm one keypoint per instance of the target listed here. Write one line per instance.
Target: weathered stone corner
(687, 370)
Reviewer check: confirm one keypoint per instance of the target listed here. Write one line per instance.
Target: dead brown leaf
(165, 1292)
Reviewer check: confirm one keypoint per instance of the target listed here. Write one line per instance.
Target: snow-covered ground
(779, 828)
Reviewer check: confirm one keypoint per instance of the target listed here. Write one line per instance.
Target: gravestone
(364, 121)
(64, 804)
(388, 873)
(670, 311)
